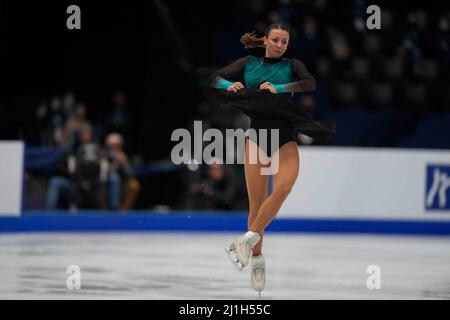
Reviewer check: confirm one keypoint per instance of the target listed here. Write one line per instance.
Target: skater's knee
(283, 188)
(254, 207)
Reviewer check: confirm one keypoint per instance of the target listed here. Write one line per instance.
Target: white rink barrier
(11, 177)
(371, 183)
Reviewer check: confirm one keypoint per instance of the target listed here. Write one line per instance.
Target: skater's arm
(306, 81)
(218, 79)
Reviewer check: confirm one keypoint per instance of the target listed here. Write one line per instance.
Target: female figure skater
(267, 98)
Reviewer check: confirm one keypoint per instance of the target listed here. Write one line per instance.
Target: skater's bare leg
(257, 189)
(284, 180)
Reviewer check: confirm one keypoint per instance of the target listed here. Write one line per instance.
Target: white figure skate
(242, 249)
(258, 273)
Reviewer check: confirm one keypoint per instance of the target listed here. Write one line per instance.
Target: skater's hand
(235, 87)
(268, 86)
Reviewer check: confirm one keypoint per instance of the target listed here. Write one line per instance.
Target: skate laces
(258, 267)
(245, 244)
(258, 273)
(247, 240)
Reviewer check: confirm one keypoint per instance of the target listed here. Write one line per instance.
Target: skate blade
(233, 260)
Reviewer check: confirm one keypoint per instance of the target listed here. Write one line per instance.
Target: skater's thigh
(289, 165)
(257, 184)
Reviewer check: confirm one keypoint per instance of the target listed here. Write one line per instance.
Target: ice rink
(194, 266)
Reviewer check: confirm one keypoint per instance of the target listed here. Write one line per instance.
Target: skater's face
(276, 43)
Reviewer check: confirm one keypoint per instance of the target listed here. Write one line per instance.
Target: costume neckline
(271, 60)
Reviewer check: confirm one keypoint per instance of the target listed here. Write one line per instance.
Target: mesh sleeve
(305, 80)
(218, 79)
(300, 71)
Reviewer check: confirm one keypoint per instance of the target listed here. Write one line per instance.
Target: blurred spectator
(50, 121)
(68, 103)
(80, 175)
(410, 45)
(339, 45)
(218, 189)
(73, 125)
(61, 188)
(340, 53)
(90, 170)
(122, 187)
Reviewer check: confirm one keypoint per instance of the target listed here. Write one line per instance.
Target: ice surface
(195, 266)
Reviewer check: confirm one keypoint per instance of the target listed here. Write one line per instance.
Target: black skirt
(264, 139)
(268, 110)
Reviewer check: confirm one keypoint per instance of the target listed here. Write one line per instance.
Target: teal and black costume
(268, 110)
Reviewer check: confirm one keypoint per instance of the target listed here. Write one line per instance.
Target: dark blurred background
(139, 69)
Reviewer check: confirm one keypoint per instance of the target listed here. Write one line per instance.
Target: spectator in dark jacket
(123, 188)
(219, 189)
(61, 188)
(80, 175)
